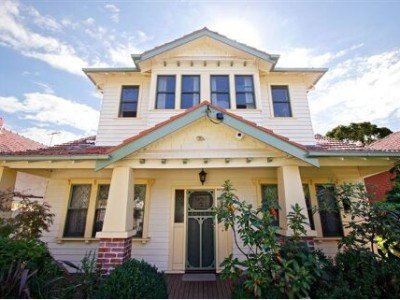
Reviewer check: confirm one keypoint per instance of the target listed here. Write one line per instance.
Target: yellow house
(190, 114)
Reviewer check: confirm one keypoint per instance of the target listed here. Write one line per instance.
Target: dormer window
(220, 91)
(129, 101)
(165, 98)
(190, 94)
(244, 86)
(281, 101)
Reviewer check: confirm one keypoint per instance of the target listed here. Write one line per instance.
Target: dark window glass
(179, 206)
(331, 221)
(244, 91)
(165, 98)
(269, 194)
(138, 209)
(77, 210)
(220, 91)
(101, 205)
(129, 101)
(190, 94)
(281, 101)
(307, 197)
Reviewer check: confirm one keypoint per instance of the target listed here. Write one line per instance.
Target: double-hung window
(220, 91)
(165, 98)
(129, 101)
(139, 199)
(75, 224)
(101, 205)
(281, 101)
(269, 194)
(244, 86)
(329, 211)
(190, 93)
(310, 212)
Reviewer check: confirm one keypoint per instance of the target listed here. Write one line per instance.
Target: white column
(118, 220)
(290, 191)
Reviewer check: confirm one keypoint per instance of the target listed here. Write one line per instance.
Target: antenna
(52, 134)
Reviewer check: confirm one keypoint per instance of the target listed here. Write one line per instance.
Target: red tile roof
(391, 142)
(324, 143)
(13, 142)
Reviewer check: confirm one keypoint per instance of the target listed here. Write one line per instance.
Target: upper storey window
(190, 95)
(165, 98)
(220, 90)
(281, 101)
(244, 86)
(129, 101)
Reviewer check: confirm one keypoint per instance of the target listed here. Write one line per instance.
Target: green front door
(200, 254)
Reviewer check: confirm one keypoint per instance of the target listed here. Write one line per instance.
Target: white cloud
(45, 22)
(46, 88)
(304, 57)
(49, 137)
(51, 109)
(14, 34)
(89, 21)
(363, 88)
(114, 10)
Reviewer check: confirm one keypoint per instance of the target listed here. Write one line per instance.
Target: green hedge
(134, 279)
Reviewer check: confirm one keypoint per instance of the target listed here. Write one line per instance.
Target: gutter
(352, 154)
(53, 157)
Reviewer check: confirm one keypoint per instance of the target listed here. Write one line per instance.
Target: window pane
(280, 93)
(166, 84)
(269, 194)
(179, 206)
(138, 210)
(190, 83)
(220, 83)
(189, 100)
(282, 110)
(129, 107)
(76, 216)
(245, 100)
(165, 101)
(80, 196)
(329, 211)
(130, 93)
(222, 100)
(307, 197)
(244, 83)
(101, 204)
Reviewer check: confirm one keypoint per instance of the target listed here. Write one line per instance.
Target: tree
(364, 132)
(393, 195)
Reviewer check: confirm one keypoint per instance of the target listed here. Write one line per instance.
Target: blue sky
(44, 45)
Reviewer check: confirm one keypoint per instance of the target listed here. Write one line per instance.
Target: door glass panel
(179, 206)
(200, 239)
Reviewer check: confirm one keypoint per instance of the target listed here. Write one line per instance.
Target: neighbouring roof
(13, 142)
(327, 143)
(391, 142)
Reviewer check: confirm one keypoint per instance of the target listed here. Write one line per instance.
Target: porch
(179, 289)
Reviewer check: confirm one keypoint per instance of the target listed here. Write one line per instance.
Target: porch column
(115, 238)
(290, 191)
(7, 184)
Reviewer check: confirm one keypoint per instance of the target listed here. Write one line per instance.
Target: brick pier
(112, 253)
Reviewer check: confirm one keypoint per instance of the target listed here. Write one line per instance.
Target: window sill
(282, 118)
(141, 240)
(327, 239)
(77, 239)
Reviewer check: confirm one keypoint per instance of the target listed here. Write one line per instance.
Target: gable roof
(137, 58)
(390, 142)
(13, 142)
(205, 109)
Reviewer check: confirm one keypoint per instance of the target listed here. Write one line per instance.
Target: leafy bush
(30, 221)
(358, 273)
(270, 267)
(134, 279)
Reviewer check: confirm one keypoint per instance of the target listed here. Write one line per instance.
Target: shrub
(134, 279)
(358, 273)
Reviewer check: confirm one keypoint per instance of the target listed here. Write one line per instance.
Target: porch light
(202, 176)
